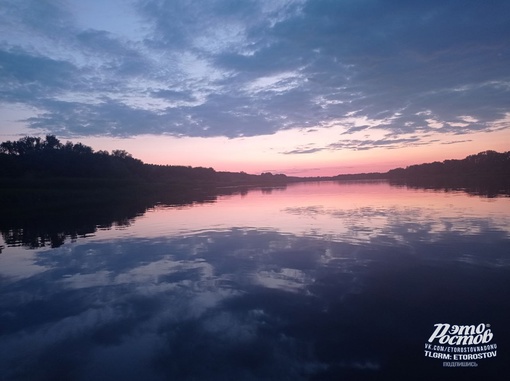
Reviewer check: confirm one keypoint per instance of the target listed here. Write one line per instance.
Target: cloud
(29, 78)
(389, 142)
(455, 142)
(221, 68)
(248, 303)
(302, 150)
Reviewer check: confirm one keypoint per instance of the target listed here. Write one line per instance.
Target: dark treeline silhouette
(47, 163)
(36, 172)
(33, 157)
(50, 191)
(487, 164)
(362, 176)
(36, 158)
(486, 173)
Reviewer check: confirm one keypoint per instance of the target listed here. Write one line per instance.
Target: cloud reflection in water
(258, 303)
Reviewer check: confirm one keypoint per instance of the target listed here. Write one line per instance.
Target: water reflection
(315, 282)
(40, 227)
(473, 186)
(351, 209)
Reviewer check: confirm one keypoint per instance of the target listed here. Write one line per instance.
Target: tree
(8, 147)
(52, 143)
(121, 153)
(82, 149)
(30, 144)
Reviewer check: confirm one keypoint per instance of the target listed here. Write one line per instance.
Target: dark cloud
(117, 58)
(301, 150)
(45, 17)
(173, 95)
(28, 78)
(455, 142)
(107, 117)
(225, 68)
(363, 145)
(355, 129)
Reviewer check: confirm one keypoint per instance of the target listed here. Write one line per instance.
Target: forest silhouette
(70, 171)
(485, 174)
(52, 191)
(36, 172)
(33, 157)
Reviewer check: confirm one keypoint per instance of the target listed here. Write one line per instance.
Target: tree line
(487, 165)
(65, 187)
(44, 158)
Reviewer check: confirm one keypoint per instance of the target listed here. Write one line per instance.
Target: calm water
(319, 281)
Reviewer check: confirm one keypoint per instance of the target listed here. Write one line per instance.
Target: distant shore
(45, 173)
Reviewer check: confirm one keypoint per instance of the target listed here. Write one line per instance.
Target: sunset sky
(302, 87)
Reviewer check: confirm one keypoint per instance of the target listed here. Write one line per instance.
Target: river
(313, 281)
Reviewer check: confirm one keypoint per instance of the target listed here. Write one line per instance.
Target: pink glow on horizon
(259, 154)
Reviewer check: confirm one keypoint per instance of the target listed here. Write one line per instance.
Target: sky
(301, 87)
